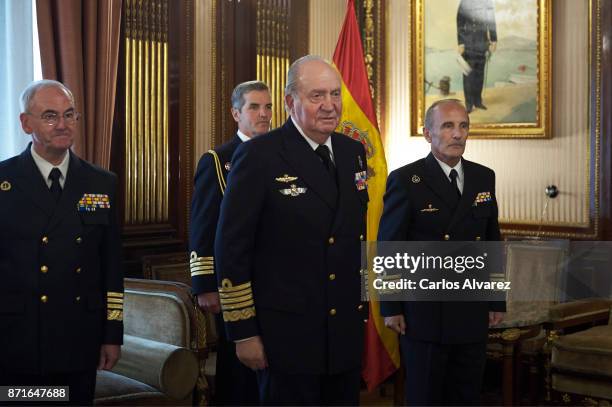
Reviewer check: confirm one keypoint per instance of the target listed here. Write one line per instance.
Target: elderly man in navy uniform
(235, 384)
(443, 343)
(288, 248)
(477, 38)
(60, 265)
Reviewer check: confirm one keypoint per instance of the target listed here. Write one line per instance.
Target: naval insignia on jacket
(482, 197)
(430, 208)
(293, 190)
(91, 202)
(361, 180)
(286, 178)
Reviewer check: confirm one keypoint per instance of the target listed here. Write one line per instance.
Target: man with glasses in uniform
(60, 265)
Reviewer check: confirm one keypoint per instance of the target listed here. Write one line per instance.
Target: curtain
(16, 71)
(79, 46)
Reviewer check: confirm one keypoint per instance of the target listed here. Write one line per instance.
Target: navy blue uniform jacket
(288, 252)
(209, 187)
(70, 257)
(423, 185)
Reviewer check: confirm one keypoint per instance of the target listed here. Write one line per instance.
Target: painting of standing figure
(494, 55)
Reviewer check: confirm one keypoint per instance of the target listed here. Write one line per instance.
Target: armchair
(582, 365)
(159, 363)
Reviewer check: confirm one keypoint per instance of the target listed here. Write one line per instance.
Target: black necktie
(56, 189)
(453, 176)
(323, 152)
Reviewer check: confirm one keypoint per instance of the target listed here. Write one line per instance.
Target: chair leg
(507, 374)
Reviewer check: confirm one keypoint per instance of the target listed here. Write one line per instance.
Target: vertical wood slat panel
(146, 141)
(273, 51)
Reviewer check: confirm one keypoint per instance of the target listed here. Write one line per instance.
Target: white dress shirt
(314, 144)
(45, 167)
(447, 169)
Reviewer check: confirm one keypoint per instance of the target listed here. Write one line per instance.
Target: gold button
(332, 311)
(43, 299)
(78, 298)
(44, 269)
(78, 270)
(477, 237)
(360, 237)
(79, 239)
(446, 237)
(331, 240)
(332, 276)
(45, 240)
(360, 307)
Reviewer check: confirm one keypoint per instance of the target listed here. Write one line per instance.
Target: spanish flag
(381, 356)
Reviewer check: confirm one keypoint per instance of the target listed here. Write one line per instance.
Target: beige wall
(324, 26)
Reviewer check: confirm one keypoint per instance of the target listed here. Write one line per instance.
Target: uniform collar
(243, 137)
(447, 168)
(45, 166)
(313, 143)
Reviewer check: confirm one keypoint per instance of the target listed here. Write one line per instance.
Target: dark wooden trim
(606, 118)
(225, 78)
(298, 29)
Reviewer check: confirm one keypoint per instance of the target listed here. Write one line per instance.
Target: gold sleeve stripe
(202, 273)
(236, 293)
(228, 287)
(249, 296)
(239, 315)
(219, 169)
(114, 315)
(114, 294)
(202, 260)
(114, 300)
(237, 306)
(201, 268)
(114, 306)
(201, 265)
(194, 257)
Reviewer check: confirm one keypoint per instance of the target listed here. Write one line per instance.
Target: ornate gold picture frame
(494, 55)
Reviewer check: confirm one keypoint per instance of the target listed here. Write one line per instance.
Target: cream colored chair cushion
(587, 352)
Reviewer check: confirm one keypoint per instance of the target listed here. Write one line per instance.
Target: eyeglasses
(52, 118)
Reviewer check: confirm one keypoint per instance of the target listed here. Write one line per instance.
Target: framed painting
(493, 55)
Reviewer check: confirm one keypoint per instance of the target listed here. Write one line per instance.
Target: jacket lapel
(300, 156)
(469, 193)
(74, 187)
(30, 181)
(437, 181)
(345, 166)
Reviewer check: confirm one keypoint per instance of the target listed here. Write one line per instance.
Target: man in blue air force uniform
(442, 197)
(288, 248)
(235, 384)
(60, 265)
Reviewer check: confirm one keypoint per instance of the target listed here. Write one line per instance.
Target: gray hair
(25, 100)
(294, 70)
(242, 89)
(430, 111)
